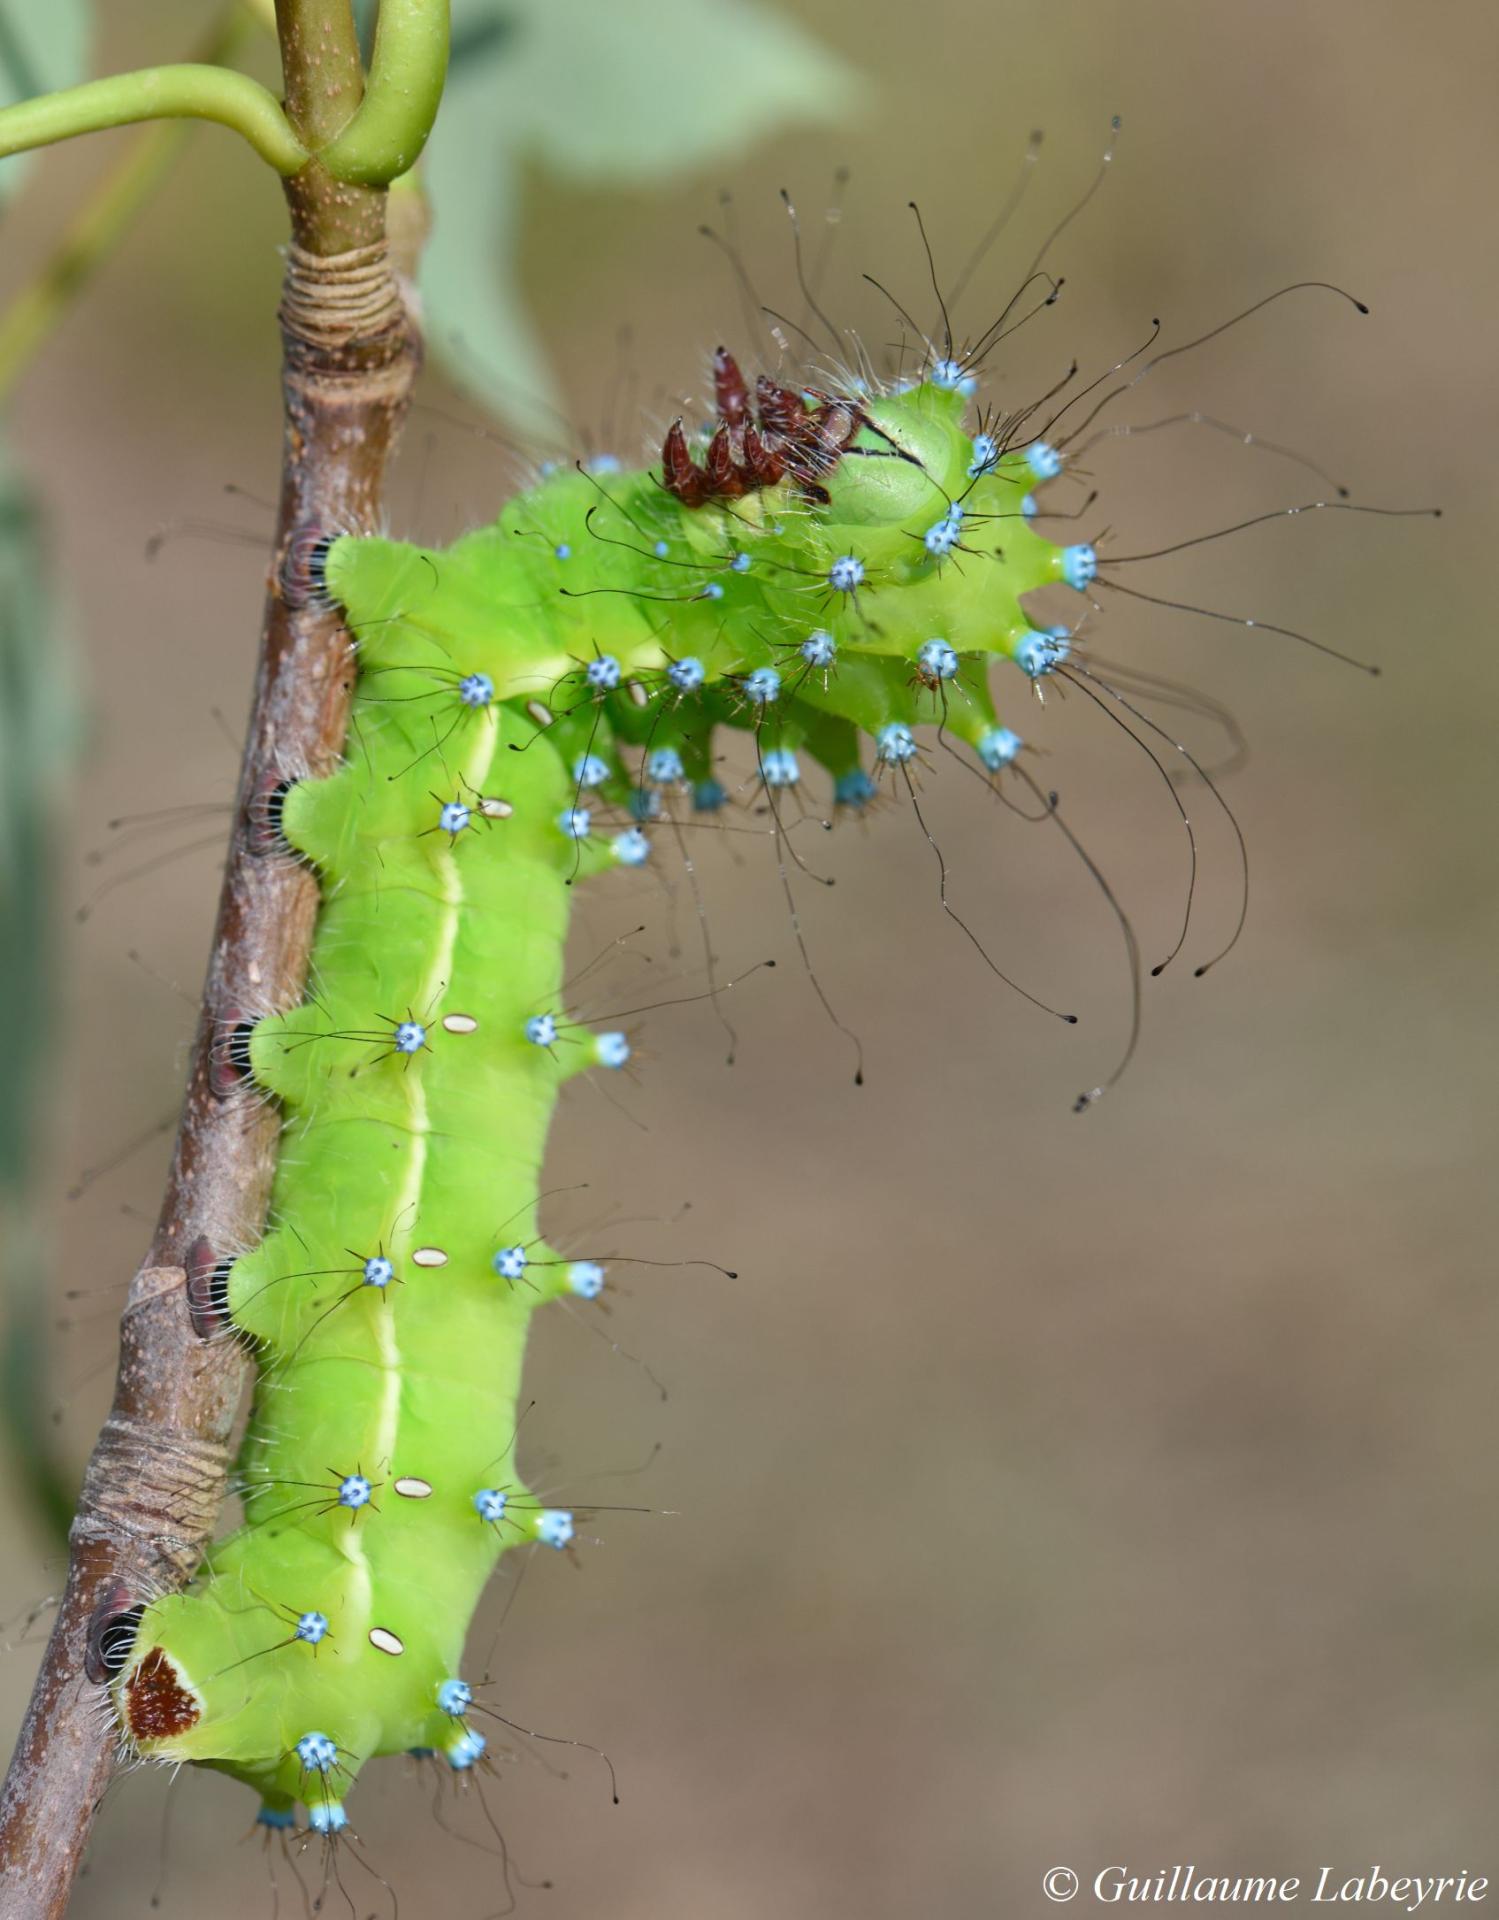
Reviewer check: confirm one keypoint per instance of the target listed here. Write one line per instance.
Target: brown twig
(156, 1480)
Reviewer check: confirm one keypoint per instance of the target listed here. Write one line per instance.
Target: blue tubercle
(455, 1697)
(846, 574)
(354, 1491)
(453, 818)
(575, 822)
(780, 768)
(998, 748)
(819, 649)
(466, 1751)
(590, 770)
(687, 674)
(895, 744)
(854, 788)
(1044, 461)
(554, 1527)
(632, 848)
(937, 659)
(709, 796)
(541, 1029)
(490, 1504)
(604, 673)
(985, 455)
(327, 1817)
(761, 686)
(312, 1627)
(1079, 566)
(663, 766)
(409, 1037)
(476, 689)
(1039, 653)
(611, 1049)
(585, 1278)
(317, 1753)
(952, 377)
(378, 1271)
(280, 1819)
(510, 1263)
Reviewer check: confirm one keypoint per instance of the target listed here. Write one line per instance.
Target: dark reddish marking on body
(157, 1705)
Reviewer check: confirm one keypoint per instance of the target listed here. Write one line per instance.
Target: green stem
(402, 94)
(157, 93)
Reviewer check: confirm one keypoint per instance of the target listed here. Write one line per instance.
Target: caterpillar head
(907, 460)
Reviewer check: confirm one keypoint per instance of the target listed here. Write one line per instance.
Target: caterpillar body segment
(911, 546)
(526, 697)
(408, 1164)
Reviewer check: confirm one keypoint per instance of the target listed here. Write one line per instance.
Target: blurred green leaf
(622, 92)
(43, 46)
(37, 737)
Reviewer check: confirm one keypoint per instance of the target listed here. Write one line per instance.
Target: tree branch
(156, 1480)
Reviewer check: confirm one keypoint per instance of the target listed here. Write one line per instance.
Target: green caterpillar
(832, 577)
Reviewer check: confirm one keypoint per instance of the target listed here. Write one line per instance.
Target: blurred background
(1047, 1490)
